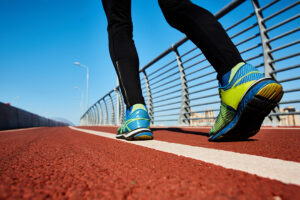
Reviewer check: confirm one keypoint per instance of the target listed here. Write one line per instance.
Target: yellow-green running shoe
(137, 124)
(247, 97)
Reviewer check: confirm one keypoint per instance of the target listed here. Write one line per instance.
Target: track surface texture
(61, 163)
(282, 143)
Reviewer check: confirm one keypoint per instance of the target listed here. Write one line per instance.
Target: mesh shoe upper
(225, 116)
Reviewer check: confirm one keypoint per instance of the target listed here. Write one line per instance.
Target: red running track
(281, 143)
(60, 163)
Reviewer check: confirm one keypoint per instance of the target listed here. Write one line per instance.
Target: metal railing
(180, 86)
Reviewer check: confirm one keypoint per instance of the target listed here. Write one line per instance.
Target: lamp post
(87, 83)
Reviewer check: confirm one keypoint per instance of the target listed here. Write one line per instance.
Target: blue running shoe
(137, 124)
(247, 97)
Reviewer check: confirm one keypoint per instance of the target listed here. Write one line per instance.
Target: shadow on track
(180, 130)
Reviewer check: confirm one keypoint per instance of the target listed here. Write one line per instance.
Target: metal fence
(180, 86)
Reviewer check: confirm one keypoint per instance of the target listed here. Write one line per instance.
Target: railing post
(185, 110)
(101, 112)
(120, 107)
(149, 97)
(88, 117)
(268, 58)
(97, 114)
(87, 120)
(269, 66)
(106, 112)
(91, 116)
(112, 117)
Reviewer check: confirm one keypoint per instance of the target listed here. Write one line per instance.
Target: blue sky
(41, 39)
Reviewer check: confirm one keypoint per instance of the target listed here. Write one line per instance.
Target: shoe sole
(257, 103)
(137, 134)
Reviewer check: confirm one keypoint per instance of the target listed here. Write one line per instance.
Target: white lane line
(281, 170)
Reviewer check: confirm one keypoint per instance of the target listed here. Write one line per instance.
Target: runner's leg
(122, 49)
(203, 29)
(125, 59)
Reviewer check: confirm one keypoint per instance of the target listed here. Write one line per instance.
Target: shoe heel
(260, 106)
(272, 92)
(143, 136)
(139, 134)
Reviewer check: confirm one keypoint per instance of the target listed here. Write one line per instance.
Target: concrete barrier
(13, 118)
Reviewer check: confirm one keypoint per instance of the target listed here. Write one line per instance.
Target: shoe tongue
(138, 106)
(229, 75)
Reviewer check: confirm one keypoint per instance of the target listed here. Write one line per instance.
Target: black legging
(199, 25)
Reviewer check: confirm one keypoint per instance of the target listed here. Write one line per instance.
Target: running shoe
(137, 124)
(247, 97)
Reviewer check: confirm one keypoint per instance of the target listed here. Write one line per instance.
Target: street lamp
(87, 83)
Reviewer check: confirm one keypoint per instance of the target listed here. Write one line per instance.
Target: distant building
(206, 118)
(289, 120)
